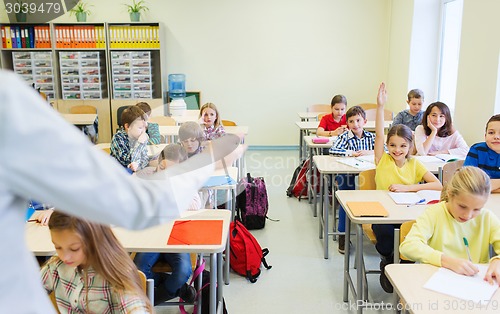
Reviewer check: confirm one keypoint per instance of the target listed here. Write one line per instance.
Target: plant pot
(81, 17)
(21, 17)
(135, 16)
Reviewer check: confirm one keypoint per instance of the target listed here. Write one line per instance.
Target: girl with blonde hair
(211, 122)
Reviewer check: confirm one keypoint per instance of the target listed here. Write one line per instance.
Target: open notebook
(413, 198)
(356, 162)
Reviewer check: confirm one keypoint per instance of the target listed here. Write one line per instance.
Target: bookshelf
(105, 65)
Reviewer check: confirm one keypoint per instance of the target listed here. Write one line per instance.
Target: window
(450, 49)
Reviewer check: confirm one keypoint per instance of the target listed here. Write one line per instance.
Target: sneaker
(187, 293)
(341, 241)
(384, 281)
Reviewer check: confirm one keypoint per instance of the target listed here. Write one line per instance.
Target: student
(486, 155)
(211, 122)
(71, 174)
(128, 145)
(436, 134)
(356, 142)
(91, 272)
(411, 117)
(152, 129)
(191, 137)
(437, 237)
(334, 124)
(168, 286)
(396, 171)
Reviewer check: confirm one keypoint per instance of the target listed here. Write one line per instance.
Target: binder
(48, 43)
(13, 36)
(4, 40)
(196, 232)
(18, 37)
(23, 38)
(31, 33)
(8, 38)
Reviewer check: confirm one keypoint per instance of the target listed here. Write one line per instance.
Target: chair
(228, 123)
(371, 114)
(321, 115)
(320, 108)
(148, 285)
(367, 106)
(119, 112)
(83, 109)
(399, 237)
(449, 169)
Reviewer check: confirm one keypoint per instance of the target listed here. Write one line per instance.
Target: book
(355, 162)
(470, 288)
(415, 198)
(367, 209)
(196, 232)
(218, 181)
(448, 157)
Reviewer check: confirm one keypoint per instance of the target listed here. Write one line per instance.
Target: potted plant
(135, 9)
(80, 10)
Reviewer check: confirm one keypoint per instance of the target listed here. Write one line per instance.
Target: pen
(417, 203)
(467, 248)
(32, 220)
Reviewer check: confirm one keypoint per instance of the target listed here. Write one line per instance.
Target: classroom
(257, 60)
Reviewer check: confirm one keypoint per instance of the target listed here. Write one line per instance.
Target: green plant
(80, 7)
(137, 7)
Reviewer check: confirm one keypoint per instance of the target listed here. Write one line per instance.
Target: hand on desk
(399, 188)
(493, 272)
(362, 153)
(459, 265)
(43, 216)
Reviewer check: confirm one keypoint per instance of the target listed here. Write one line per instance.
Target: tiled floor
(301, 280)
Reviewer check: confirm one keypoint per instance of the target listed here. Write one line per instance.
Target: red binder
(196, 232)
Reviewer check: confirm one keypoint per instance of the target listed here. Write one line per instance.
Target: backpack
(299, 186)
(246, 254)
(252, 203)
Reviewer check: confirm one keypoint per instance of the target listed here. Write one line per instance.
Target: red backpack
(246, 254)
(299, 185)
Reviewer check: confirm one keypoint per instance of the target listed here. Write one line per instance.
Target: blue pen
(417, 203)
(467, 248)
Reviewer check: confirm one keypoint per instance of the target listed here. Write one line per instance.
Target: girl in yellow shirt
(437, 237)
(396, 171)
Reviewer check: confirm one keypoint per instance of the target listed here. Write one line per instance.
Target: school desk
(330, 166)
(307, 126)
(309, 115)
(409, 280)
(154, 150)
(189, 115)
(155, 239)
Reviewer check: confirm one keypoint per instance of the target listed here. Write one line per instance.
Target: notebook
(218, 181)
(356, 163)
(367, 209)
(196, 232)
(415, 198)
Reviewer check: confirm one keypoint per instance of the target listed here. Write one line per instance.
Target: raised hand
(382, 95)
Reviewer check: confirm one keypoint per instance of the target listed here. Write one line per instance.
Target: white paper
(470, 288)
(356, 163)
(367, 158)
(447, 157)
(412, 198)
(428, 159)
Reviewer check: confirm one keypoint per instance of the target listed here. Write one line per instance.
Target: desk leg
(232, 206)
(310, 186)
(325, 218)
(346, 259)
(321, 203)
(301, 140)
(213, 283)
(219, 281)
(359, 265)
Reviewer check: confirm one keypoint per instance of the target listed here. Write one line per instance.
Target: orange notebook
(367, 209)
(196, 232)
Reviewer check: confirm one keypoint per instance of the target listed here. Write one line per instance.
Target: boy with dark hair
(411, 117)
(355, 142)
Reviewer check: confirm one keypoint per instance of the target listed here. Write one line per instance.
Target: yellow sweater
(436, 232)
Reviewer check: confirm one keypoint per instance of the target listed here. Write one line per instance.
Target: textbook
(196, 232)
(470, 288)
(415, 198)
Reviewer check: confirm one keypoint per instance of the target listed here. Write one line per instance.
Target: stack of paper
(414, 198)
(471, 288)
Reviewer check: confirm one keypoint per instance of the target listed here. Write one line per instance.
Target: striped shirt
(481, 156)
(347, 143)
(127, 151)
(153, 132)
(71, 295)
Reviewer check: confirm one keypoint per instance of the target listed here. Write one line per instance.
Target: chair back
(148, 286)
(371, 114)
(320, 108)
(321, 115)
(119, 112)
(83, 109)
(162, 120)
(366, 180)
(399, 236)
(367, 106)
(449, 170)
(228, 123)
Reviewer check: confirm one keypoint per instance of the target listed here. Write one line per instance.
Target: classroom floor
(301, 280)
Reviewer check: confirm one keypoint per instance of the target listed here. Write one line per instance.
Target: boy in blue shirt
(411, 117)
(355, 142)
(486, 155)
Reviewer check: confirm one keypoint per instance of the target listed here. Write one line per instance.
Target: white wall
(262, 61)
(478, 68)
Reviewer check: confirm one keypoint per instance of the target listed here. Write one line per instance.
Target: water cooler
(177, 92)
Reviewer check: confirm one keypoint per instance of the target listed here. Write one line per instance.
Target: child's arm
(431, 183)
(154, 133)
(340, 146)
(379, 123)
(459, 265)
(493, 271)
(427, 143)
(120, 149)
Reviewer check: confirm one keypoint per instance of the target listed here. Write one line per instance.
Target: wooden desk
(408, 281)
(80, 118)
(153, 150)
(154, 240)
(173, 130)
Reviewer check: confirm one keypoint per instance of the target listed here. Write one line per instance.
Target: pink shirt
(454, 143)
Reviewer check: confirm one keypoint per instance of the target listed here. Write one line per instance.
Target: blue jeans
(344, 182)
(181, 269)
(385, 239)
